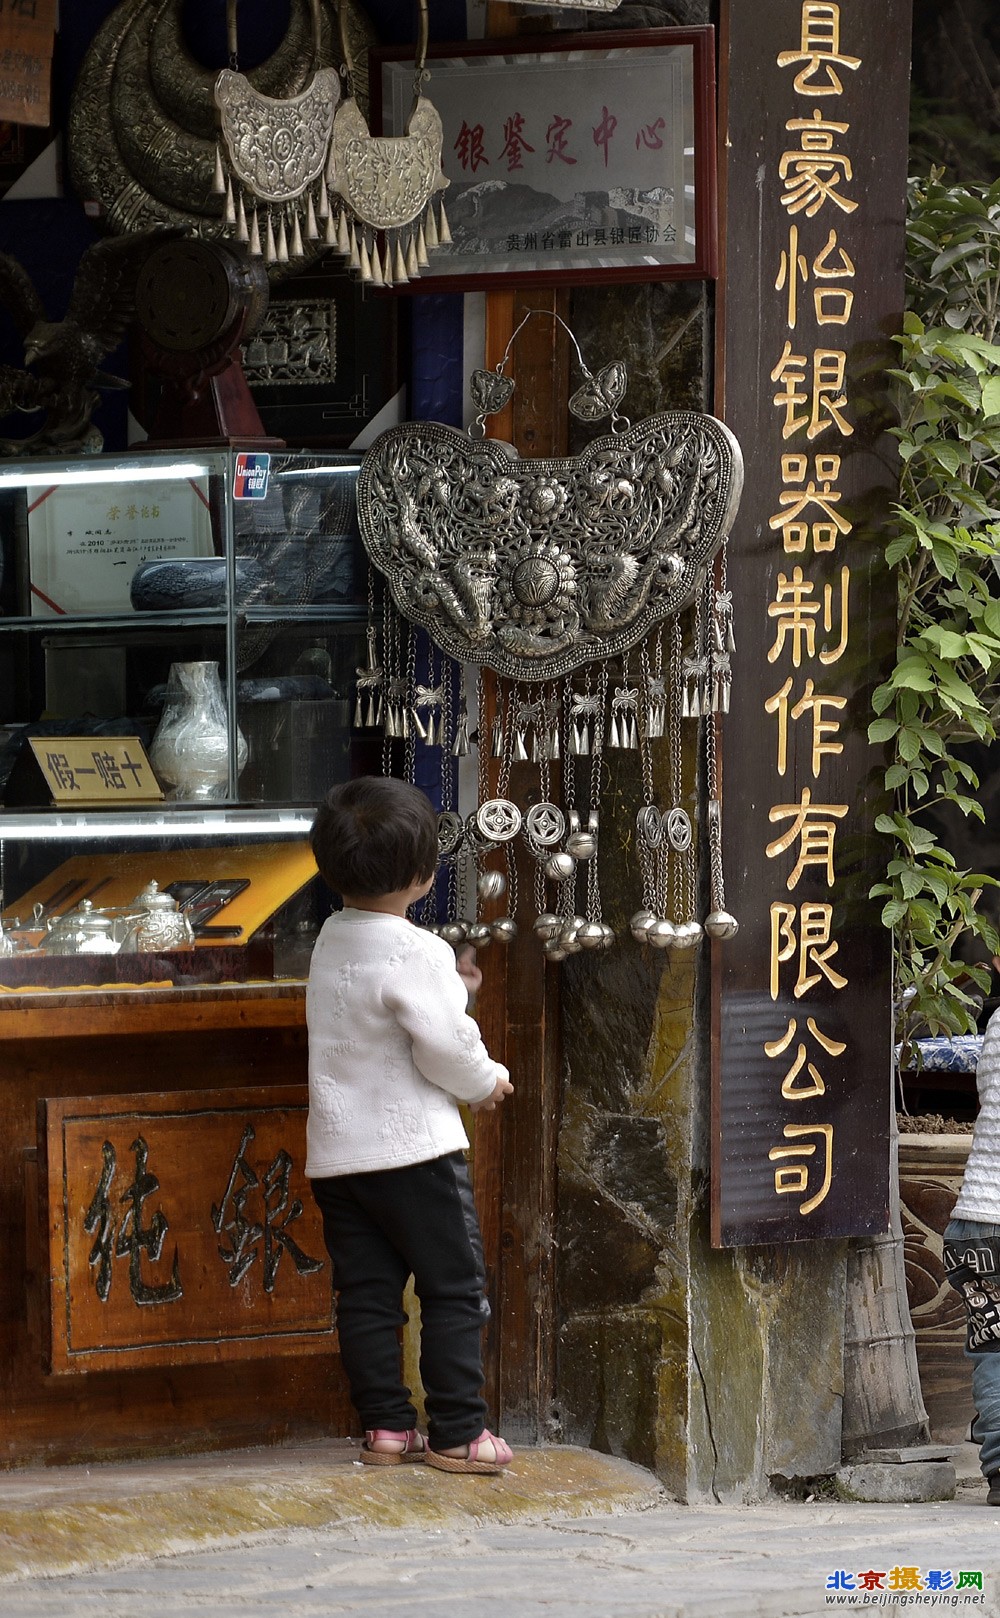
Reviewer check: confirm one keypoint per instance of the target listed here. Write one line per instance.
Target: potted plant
(942, 699)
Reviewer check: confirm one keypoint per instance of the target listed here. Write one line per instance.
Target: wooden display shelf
(275, 873)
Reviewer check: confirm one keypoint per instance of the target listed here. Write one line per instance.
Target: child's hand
(502, 1088)
(468, 971)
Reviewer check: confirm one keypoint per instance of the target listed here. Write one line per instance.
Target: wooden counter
(153, 1040)
(108, 1013)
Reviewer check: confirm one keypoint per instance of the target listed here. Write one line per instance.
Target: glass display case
(179, 634)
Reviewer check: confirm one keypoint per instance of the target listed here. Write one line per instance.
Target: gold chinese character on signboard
(816, 1086)
(813, 825)
(822, 728)
(831, 305)
(816, 491)
(794, 1179)
(826, 399)
(795, 616)
(812, 174)
(819, 49)
(803, 930)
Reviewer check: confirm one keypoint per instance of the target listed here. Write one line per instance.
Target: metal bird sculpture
(62, 373)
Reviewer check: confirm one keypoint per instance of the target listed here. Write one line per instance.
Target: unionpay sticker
(250, 476)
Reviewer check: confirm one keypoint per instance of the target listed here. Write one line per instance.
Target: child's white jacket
(391, 1047)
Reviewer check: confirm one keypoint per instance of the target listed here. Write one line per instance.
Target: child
(972, 1258)
(391, 1052)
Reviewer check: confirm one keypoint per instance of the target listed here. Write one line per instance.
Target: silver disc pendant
(545, 824)
(451, 829)
(499, 820)
(649, 824)
(677, 825)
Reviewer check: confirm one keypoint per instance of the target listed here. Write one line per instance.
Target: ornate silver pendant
(536, 567)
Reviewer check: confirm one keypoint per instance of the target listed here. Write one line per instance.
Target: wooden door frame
(515, 1148)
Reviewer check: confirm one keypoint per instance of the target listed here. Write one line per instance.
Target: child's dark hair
(374, 835)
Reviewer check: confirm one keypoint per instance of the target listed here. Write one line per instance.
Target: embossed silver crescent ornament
(545, 824)
(499, 820)
(535, 567)
(677, 825)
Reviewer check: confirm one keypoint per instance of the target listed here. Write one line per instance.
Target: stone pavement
(306, 1532)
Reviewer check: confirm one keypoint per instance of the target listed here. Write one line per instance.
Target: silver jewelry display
(382, 188)
(275, 154)
(567, 577)
(537, 567)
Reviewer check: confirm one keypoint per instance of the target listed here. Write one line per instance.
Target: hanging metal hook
(599, 397)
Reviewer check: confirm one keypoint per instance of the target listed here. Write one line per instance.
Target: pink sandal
(414, 1448)
(503, 1455)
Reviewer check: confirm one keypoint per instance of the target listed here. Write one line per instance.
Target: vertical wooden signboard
(815, 132)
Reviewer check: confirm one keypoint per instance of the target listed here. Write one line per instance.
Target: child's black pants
(381, 1228)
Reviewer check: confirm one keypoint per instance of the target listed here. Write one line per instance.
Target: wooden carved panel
(181, 1229)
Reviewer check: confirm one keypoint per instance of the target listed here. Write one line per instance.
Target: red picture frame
(572, 158)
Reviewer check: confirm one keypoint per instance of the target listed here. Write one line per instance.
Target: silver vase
(190, 750)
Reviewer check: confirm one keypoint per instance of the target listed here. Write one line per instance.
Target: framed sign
(85, 541)
(588, 158)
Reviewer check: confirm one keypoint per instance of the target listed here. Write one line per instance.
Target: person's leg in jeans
(419, 1210)
(368, 1277)
(985, 1367)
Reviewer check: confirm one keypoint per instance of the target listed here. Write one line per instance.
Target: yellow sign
(88, 770)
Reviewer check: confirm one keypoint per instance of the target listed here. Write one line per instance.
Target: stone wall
(722, 1371)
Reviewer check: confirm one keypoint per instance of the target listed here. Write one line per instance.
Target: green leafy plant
(943, 691)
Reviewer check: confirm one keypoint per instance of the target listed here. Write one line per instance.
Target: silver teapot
(83, 931)
(157, 924)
